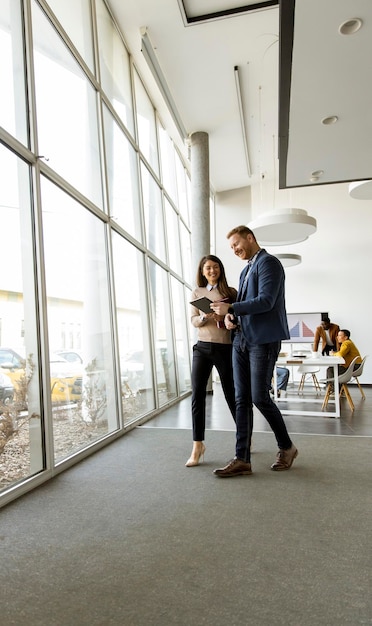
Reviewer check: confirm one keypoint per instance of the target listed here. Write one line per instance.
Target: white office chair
(308, 371)
(357, 373)
(343, 379)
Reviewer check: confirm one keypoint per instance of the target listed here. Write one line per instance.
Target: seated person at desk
(282, 377)
(348, 351)
(326, 333)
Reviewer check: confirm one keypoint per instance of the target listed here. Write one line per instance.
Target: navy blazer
(261, 308)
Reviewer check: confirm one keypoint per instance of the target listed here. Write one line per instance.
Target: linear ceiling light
(150, 56)
(242, 118)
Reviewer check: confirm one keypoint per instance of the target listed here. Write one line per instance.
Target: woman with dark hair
(213, 348)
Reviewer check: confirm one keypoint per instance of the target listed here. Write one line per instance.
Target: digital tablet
(203, 304)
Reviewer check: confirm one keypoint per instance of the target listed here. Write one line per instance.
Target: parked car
(65, 377)
(73, 356)
(6, 389)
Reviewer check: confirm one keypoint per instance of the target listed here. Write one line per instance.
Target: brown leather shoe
(284, 459)
(235, 467)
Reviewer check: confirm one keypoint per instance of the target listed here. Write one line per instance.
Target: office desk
(320, 361)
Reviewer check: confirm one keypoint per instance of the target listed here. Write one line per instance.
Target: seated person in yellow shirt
(348, 351)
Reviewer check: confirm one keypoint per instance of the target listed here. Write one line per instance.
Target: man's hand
(230, 321)
(221, 308)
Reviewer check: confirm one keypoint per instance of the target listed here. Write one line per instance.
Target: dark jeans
(206, 355)
(253, 367)
(328, 349)
(282, 378)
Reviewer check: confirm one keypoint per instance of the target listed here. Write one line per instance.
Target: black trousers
(206, 355)
(327, 350)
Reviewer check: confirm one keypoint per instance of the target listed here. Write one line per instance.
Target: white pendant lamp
(361, 190)
(283, 227)
(289, 260)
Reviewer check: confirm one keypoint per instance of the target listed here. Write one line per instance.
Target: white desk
(321, 361)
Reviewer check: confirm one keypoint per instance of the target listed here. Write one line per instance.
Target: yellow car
(65, 377)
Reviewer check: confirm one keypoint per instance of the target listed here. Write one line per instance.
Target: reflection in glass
(164, 352)
(146, 125)
(21, 453)
(12, 81)
(122, 171)
(83, 393)
(137, 388)
(114, 67)
(66, 112)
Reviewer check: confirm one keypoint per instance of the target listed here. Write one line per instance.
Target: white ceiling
(331, 76)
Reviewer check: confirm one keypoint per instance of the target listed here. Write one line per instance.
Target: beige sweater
(208, 329)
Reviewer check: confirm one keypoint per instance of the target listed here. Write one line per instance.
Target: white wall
(334, 275)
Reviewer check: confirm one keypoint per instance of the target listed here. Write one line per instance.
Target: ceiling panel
(286, 89)
(323, 74)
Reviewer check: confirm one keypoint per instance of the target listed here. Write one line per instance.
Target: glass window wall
(164, 345)
(168, 166)
(66, 106)
(122, 178)
(75, 18)
(146, 125)
(180, 309)
(82, 391)
(114, 67)
(186, 254)
(136, 375)
(153, 211)
(93, 324)
(21, 440)
(183, 190)
(12, 73)
(173, 238)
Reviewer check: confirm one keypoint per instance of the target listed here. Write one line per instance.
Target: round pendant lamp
(289, 260)
(283, 228)
(361, 190)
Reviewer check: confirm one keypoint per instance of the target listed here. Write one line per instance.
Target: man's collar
(254, 257)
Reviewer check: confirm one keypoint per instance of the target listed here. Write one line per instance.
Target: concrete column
(200, 187)
(200, 215)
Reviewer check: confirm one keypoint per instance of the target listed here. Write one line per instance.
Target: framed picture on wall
(302, 326)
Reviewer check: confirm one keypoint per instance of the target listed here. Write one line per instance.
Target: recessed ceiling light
(351, 26)
(332, 119)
